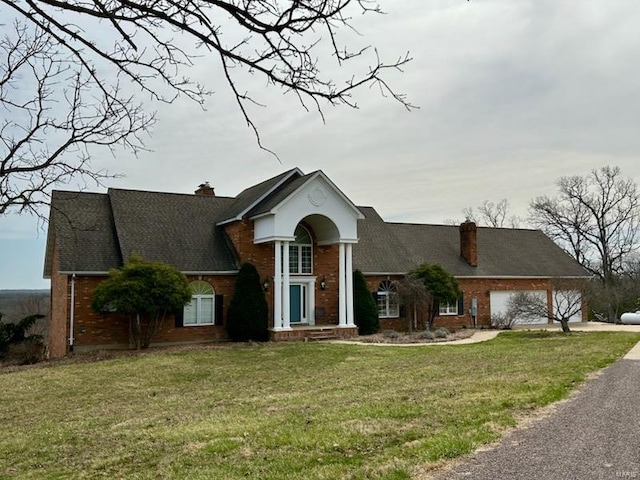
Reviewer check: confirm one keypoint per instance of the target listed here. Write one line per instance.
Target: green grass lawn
(285, 411)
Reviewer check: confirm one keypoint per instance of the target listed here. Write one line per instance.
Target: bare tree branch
(52, 114)
(78, 47)
(567, 301)
(595, 218)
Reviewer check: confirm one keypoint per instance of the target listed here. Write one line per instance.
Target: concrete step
(323, 334)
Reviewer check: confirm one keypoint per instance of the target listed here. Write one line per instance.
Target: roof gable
(176, 229)
(81, 229)
(314, 199)
(285, 194)
(251, 197)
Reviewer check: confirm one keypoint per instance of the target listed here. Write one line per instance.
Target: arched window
(301, 252)
(388, 306)
(200, 311)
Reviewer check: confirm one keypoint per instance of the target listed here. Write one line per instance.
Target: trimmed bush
(248, 317)
(441, 332)
(364, 306)
(428, 335)
(390, 334)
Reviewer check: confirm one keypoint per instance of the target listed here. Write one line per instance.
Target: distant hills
(16, 304)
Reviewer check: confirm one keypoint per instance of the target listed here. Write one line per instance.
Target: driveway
(593, 435)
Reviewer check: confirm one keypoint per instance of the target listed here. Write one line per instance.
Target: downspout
(72, 311)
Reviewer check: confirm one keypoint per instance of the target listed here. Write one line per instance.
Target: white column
(277, 287)
(311, 307)
(349, 274)
(286, 304)
(342, 288)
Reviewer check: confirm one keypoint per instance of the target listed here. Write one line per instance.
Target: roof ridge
(137, 190)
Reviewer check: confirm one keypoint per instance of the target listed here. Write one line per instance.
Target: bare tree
(414, 296)
(493, 215)
(53, 112)
(567, 302)
(150, 45)
(595, 218)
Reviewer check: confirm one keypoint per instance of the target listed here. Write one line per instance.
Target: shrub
(428, 335)
(17, 345)
(364, 306)
(504, 321)
(145, 292)
(248, 317)
(441, 332)
(390, 334)
(26, 352)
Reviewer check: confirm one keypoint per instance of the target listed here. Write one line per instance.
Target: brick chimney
(205, 189)
(469, 242)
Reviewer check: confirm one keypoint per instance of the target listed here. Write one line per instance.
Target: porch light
(265, 284)
(323, 284)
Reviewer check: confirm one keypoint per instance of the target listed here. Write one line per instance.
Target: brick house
(303, 222)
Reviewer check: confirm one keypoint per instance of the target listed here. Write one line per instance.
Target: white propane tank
(630, 318)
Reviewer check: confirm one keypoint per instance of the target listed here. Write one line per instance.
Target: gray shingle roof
(502, 252)
(176, 229)
(82, 226)
(378, 249)
(95, 232)
(249, 197)
(279, 195)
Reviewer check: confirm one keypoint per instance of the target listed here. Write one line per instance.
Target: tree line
(595, 218)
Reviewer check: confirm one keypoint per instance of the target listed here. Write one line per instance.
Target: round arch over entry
(316, 202)
(325, 230)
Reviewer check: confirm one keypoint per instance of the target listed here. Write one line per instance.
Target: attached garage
(499, 301)
(563, 301)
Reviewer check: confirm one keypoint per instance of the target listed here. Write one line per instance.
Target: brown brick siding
(471, 287)
(58, 321)
(325, 265)
(104, 330)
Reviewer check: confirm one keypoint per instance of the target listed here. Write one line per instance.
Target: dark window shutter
(461, 304)
(219, 301)
(179, 314)
(375, 297)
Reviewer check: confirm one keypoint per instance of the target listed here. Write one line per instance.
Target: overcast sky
(512, 96)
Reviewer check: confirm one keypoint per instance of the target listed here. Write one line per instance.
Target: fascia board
(321, 174)
(261, 198)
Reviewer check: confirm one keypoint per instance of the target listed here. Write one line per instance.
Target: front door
(298, 303)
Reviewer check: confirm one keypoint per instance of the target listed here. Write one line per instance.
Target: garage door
(499, 305)
(567, 302)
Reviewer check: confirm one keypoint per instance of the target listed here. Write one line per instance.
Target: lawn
(285, 411)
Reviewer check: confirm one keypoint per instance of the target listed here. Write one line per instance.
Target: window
(447, 308)
(452, 308)
(300, 252)
(200, 311)
(388, 306)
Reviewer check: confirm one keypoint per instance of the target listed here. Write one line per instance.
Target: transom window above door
(301, 252)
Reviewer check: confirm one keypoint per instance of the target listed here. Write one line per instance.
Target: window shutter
(436, 307)
(461, 304)
(219, 319)
(179, 315)
(375, 297)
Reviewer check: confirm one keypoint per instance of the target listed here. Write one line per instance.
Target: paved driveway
(593, 435)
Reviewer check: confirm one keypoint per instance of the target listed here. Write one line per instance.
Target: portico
(303, 225)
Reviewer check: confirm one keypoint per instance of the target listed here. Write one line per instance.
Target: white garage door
(499, 305)
(566, 302)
